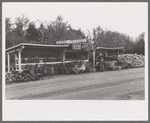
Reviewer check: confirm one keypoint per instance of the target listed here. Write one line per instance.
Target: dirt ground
(135, 95)
(126, 84)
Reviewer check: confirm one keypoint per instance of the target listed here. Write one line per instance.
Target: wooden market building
(32, 54)
(62, 52)
(110, 51)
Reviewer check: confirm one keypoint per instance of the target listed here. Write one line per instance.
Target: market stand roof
(37, 45)
(110, 48)
(57, 46)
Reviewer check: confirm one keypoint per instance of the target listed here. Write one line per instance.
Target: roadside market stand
(110, 51)
(110, 55)
(63, 52)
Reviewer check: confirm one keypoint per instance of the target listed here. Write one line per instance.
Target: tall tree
(43, 36)
(140, 44)
(32, 33)
(21, 25)
(7, 25)
(60, 30)
(11, 34)
(109, 38)
(7, 31)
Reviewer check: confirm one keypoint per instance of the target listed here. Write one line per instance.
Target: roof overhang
(23, 45)
(110, 48)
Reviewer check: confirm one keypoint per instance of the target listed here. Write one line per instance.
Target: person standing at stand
(101, 62)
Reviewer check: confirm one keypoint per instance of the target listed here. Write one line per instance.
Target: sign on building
(84, 46)
(71, 41)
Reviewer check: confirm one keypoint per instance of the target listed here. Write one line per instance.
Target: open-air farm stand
(110, 56)
(65, 57)
(109, 52)
(31, 54)
(31, 61)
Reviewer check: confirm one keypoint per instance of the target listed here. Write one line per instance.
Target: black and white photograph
(75, 60)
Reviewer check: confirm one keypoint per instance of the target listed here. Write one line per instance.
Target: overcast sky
(128, 18)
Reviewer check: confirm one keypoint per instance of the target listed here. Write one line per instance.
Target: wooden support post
(88, 56)
(93, 58)
(15, 60)
(8, 62)
(117, 54)
(19, 60)
(106, 54)
(63, 56)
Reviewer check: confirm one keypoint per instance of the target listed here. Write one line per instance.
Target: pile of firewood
(131, 60)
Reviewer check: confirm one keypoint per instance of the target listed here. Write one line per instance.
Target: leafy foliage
(24, 31)
(21, 24)
(139, 44)
(32, 32)
(59, 30)
(13, 36)
(115, 39)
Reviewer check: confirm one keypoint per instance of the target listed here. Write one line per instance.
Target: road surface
(126, 84)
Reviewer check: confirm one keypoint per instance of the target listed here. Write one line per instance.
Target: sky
(127, 18)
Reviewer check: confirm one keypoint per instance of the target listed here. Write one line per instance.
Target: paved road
(110, 85)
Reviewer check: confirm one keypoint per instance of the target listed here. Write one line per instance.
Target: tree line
(25, 31)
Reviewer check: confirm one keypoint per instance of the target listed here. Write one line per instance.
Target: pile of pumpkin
(20, 77)
(55, 69)
(131, 60)
(34, 72)
(76, 67)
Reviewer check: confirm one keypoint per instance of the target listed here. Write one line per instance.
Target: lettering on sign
(71, 41)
